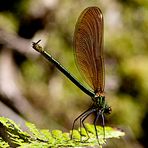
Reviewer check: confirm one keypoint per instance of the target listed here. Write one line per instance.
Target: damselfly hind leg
(82, 118)
(76, 120)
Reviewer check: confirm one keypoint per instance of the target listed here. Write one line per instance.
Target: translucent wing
(88, 45)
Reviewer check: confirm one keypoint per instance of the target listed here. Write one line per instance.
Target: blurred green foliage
(126, 58)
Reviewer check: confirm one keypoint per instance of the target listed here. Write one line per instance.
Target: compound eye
(109, 110)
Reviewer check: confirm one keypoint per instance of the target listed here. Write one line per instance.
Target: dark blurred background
(31, 89)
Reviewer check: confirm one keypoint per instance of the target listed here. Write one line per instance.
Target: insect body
(88, 50)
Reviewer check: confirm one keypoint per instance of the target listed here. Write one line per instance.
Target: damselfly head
(107, 109)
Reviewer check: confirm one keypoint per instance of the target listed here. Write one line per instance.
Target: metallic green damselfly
(88, 50)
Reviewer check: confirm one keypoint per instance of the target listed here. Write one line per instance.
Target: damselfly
(88, 48)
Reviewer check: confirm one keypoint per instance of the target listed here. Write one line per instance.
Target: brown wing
(88, 45)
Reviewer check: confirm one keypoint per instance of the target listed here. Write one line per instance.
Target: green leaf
(35, 132)
(12, 136)
(3, 144)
